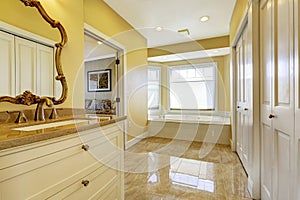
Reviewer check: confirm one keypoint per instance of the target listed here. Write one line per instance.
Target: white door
(45, 70)
(25, 65)
(239, 103)
(244, 98)
(283, 100)
(277, 110)
(297, 102)
(266, 103)
(7, 63)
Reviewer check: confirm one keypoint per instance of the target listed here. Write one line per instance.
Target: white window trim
(194, 111)
(150, 111)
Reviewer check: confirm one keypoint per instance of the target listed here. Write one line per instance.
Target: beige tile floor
(157, 168)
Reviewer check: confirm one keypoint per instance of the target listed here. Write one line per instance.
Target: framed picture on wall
(99, 80)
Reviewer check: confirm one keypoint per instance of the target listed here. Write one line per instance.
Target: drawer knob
(85, 147)
(85, 183)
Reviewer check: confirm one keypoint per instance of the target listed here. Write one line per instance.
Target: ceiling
(173, 15)
(95, 51)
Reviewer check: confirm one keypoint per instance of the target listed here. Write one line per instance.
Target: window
(193, 87)
(154, 88)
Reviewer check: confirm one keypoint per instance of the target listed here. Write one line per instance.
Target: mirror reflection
(101, 75)
(28, 63)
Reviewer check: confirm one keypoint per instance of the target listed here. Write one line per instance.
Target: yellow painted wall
(210, 43)
(100, 16)
(226, 80)
(237, 15)
(70, 14)
(223, 80)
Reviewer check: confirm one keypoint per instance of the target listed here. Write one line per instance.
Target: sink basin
(50, 125)
(100, 118)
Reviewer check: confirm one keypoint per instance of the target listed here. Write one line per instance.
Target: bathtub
(203, 119)
(190, 127)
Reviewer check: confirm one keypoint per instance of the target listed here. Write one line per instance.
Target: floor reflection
(187, 174)
(157, 168)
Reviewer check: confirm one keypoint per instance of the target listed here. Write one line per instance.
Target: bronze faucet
(39, 112)
(21, 116)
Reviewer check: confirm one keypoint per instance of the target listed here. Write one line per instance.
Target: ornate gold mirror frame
(28, 98)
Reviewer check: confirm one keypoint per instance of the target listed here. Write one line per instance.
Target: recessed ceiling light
(159, 28)
(99, 42)
(204, 18)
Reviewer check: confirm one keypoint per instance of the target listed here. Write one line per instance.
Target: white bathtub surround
(211, 127)
(210, 117)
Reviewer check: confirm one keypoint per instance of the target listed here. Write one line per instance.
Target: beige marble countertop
(12, 138)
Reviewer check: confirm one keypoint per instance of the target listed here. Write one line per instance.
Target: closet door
(240, 96)
(7, 63)
(248, 100)
(297, 101)
(266, 12)
(277, 110)
(45, 70)
(283, 100)
(244, 98)
(25, 65)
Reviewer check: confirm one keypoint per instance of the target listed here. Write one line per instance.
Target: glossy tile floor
(159, 168)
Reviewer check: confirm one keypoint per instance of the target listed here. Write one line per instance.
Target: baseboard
(231, 144)
(250, 186)
(136, 140)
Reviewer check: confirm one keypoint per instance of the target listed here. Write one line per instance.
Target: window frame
(158, 68)
(198, 65)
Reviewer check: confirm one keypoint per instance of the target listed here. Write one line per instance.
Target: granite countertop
(12, 138)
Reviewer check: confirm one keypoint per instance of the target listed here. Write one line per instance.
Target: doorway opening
(103, 68)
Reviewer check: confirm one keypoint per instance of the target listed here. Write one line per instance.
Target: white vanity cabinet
(25, 65)
(85, 165)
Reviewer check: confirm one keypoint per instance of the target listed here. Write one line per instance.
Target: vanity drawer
(38, 170)
(98, 185)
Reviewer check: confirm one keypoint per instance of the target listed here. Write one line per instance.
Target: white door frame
(110, 41)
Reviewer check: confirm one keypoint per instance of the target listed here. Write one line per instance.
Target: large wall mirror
(31, 66)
